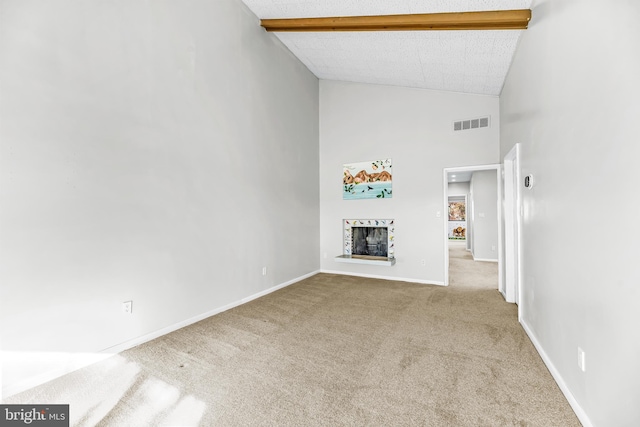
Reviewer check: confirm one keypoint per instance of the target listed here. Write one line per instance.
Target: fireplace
(369, 240)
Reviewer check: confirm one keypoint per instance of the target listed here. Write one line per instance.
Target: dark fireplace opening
(371, 241)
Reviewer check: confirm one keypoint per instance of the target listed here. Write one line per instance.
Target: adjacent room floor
(464, 271)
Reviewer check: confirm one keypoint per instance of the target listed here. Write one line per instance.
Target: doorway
(483, 216)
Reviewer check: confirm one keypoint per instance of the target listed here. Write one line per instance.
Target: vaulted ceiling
(468, 61)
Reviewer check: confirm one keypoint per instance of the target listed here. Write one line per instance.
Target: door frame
(445, 172)
(512, 225)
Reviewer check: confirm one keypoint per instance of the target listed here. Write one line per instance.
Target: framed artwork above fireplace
(368, 180)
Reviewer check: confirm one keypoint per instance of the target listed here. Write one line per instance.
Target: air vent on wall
(481, 122)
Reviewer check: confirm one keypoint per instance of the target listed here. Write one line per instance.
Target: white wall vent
(481, 122)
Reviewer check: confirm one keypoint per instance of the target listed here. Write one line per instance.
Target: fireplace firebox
(369, 241)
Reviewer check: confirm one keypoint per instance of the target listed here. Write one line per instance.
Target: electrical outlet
(582, 360)
(423, 262)
(438, 214)
(493, 248)
(264, 271)
(325, 255)
(127, 307)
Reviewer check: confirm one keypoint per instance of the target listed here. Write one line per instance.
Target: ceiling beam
(490, 20)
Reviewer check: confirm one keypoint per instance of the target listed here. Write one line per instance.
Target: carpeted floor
(328, 351)
(464, 271)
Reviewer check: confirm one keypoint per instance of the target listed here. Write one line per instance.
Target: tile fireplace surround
(384, 251)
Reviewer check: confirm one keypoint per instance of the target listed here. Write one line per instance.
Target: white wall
(458, 189)
(484, 218)
(161, 152)
(414, 127)
(571, 100)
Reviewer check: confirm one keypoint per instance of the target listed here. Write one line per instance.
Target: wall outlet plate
(127, 307)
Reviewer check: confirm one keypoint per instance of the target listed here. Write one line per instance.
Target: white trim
(485, 260)
(445, 224)
(92, 358)
(580, 413)
(275, 288)
(377, 276)
(512, 227)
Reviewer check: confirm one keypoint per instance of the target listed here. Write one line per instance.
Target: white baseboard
(153, 335)
(485, 260)
(582, 416)
(91, 358)
(376, 276)
(275, 288)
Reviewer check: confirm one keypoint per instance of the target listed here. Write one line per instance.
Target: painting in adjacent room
(457, 211)
(367, 180)
(457, 220)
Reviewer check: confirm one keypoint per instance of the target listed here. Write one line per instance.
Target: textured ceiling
(458, 61)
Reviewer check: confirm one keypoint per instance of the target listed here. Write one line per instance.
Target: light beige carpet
(328, 351)
(464, 271)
